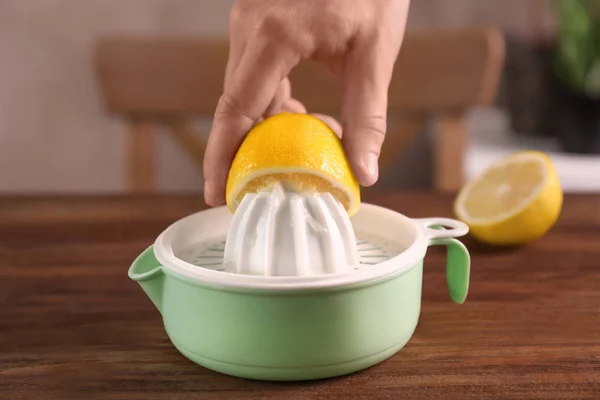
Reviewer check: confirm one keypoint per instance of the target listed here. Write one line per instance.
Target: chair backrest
(441, 73)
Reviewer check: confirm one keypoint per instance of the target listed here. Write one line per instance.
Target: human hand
(357, 40)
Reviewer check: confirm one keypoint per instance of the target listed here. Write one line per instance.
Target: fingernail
(372, 166)
(209, 195)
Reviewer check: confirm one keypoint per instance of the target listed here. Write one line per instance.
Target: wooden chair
(171, 81)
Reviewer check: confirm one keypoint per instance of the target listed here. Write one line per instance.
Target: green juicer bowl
(295, 328)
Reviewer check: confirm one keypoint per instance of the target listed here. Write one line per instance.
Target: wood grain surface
(73, 326)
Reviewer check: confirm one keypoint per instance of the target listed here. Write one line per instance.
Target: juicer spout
(148, 273)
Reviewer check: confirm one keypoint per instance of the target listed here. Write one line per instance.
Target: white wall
(54, 134)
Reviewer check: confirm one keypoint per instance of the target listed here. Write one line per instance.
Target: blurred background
(57, 134)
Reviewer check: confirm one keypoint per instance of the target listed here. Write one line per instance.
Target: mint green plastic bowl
(290, 328)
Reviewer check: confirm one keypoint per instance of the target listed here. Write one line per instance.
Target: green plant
(577, 55)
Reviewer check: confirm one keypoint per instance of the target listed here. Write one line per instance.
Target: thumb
(366, 80)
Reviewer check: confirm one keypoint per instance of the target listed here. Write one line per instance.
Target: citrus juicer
(283, 233)
(295, 278)
(292, 288)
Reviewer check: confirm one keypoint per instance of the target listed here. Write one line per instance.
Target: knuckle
(339, 24)
(236, 15)
(376, 125)
(373, 127)
(228, 108)
(271, 26)
(240, 12)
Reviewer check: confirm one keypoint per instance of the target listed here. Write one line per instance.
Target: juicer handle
(442, 228)
(458, 268)
(443, 231)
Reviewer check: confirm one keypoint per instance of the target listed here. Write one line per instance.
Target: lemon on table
(298, 149)
(514, 201)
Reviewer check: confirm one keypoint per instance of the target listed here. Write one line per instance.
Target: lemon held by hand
(298, 149)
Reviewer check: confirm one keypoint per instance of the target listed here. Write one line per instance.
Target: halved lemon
(514, 201)
(297, 150)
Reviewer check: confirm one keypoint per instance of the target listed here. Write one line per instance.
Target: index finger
(248, 91)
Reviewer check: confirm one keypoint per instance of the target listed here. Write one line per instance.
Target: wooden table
(73, 326)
